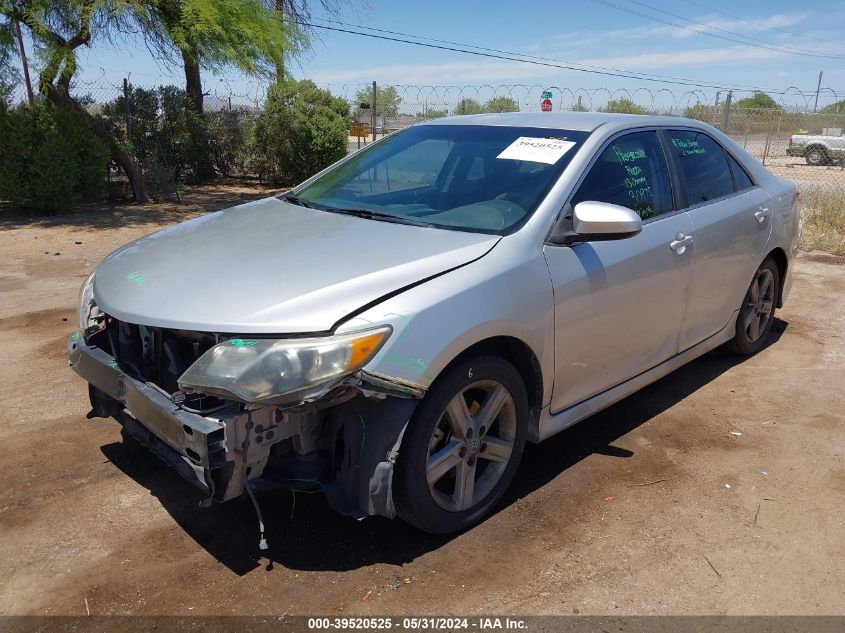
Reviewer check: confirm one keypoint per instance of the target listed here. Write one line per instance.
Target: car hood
(272, 267)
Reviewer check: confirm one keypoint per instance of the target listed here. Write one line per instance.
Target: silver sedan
(395, 329)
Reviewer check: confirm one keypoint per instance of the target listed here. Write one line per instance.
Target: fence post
(126, 100)
(374, 114)
(727, 111)
(716, 106)
(768, 139)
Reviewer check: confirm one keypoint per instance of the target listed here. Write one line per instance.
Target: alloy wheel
(758, 308)
(471, 445)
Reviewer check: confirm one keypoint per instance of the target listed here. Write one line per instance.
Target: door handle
(680, 243)
(762, 214)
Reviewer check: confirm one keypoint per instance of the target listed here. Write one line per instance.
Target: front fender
(436, 321)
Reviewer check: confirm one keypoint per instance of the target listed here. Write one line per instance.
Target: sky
(595, 33)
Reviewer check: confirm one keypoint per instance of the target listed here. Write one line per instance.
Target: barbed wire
(409, 99)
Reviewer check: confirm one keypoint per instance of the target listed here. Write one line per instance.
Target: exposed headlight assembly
(275, 371)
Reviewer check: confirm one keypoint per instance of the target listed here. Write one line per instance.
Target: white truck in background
(818, 149)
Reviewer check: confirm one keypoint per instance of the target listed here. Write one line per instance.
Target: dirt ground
(718, 490)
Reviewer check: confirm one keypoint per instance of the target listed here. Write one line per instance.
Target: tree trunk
(193, 80)
(280, 65)
(58, 94)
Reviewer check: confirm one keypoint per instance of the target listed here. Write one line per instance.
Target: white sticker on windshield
(536, 150)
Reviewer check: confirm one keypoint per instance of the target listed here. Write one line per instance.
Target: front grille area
(157, 355)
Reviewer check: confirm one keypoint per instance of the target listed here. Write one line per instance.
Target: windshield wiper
(377, 215)
(297, 200)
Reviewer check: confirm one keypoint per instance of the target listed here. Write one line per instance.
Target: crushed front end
(340, 435)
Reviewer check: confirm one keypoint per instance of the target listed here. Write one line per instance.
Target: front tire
(462, 446)
(757, 314)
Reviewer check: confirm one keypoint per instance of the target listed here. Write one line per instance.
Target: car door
(733, 222)
(619, 304)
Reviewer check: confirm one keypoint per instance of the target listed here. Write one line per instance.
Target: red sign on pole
(546, 105)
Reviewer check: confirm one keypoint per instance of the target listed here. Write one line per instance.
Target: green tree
(301, 130)
(215, 35)
(388, 100)
(834, 108)
(623, 105)
(501, 104)
(469, 106)
(244, 34)
(759, 101)
(8, 74)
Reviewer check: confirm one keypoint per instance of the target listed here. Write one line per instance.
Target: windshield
(479, 178)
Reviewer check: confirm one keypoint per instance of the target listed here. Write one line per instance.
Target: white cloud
(491, 71)
(707, 24)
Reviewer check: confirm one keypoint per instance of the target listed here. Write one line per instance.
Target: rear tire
(462, 446)
(816, 156)
(757, 314)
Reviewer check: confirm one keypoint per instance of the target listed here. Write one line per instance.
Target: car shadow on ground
(306, 534)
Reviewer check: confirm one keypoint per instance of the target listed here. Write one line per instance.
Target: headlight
(86, 302)
(273, 370)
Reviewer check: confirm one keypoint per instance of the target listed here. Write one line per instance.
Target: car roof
(576, 121)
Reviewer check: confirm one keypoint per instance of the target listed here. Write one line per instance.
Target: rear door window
(631, 172)
(703, 165)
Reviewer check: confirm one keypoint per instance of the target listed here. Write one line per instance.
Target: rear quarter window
(742, 180)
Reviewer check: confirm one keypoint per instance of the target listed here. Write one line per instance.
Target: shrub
(183, 136)
(225, 134)
(165, 134)
(501, 104)
(49, 158)
(699, 111)
(469, 106)
(302, 130)
(623, 105)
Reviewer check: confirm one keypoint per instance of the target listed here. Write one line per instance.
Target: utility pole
(29, 93)
(818, 89)
(126, 103)
(727, 111)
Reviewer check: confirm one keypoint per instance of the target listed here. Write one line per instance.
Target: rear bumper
(192, 444)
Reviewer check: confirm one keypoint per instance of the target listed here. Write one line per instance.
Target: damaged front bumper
(344, 444)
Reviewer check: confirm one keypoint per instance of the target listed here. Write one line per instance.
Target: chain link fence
(765, 133)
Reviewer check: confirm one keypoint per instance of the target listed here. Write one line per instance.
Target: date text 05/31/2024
(416, 624)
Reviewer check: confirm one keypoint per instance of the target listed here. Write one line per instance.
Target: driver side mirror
(597, 221)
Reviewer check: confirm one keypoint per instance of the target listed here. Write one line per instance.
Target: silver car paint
(272, 267)
(503, 293)
(506, 292)
(619, 308)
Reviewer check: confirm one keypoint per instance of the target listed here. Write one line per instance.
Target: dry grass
(823, 218)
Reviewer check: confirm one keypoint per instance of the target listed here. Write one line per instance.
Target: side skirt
(551, 423)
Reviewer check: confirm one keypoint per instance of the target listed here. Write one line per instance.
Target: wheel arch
(520, 355)
(782, 262)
